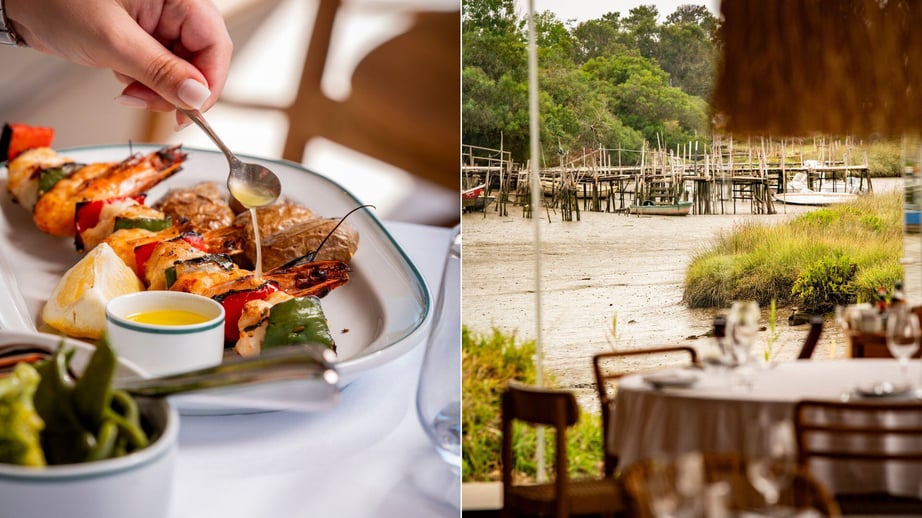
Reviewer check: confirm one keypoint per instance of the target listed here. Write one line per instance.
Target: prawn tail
(317, 278)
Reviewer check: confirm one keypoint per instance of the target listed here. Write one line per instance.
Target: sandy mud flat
(604, 265)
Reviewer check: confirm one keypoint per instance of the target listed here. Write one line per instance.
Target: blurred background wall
(379, 99)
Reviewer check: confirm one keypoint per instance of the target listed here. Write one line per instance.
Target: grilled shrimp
(164, 256)
(127, 208)
(124, 241)
(204, 205)
(54, 211)
(24, 173)
(310, 278)
(253, 322)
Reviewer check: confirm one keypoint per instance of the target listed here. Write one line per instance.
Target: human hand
(168, 52)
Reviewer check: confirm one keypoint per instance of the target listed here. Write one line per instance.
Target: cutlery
(307, 372)
(251, 184)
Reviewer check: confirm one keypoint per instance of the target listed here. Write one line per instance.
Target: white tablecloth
(366, 457)
(714, 415)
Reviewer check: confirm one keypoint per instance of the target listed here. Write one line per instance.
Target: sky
(582, 10)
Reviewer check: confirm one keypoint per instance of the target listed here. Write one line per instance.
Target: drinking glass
(902, 337)
(677, 487)
(438, 398)
(742, 327)
(771, 460)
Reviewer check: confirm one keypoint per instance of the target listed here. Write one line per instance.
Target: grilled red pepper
(86, 214)
(233, 302)
(17, 137)
(142, 252)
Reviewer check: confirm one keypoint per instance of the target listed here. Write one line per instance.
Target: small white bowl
(138, 485)
(161, 348)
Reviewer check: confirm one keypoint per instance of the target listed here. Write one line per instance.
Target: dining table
(663, 414)
(365, 456)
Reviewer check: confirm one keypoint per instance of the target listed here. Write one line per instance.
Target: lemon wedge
(77, 306)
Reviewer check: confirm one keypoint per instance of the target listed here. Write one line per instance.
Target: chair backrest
(650, 478)
(538, 406)
(866, 436)
(608, 368)
(403, 104)
(822, 425)
(813, 337)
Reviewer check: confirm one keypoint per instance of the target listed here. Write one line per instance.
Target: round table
(714, 414)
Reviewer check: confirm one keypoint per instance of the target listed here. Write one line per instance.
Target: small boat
(474, 198)
(649, 208)
(799, 194)
(818, 198)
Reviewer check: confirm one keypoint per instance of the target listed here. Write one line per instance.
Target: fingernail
(182, 126)
(131, 101)
(193, 93)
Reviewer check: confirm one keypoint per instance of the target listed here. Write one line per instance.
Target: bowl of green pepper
(73, 445)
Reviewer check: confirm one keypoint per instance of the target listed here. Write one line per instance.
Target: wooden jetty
(724, 179)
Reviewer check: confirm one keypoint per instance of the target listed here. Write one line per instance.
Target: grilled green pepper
(152, 224)
(64, 438)
(85, 419)
(50, 176)
(297, 321)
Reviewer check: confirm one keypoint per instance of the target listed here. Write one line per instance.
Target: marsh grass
(489, 362)
(832, 255)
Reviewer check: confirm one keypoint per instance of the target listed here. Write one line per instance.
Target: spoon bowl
(251, 184)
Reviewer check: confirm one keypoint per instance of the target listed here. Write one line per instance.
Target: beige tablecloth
(714, 415)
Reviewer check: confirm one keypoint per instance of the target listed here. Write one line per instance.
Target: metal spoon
(311, 363)
(310, 366)
(251, 184)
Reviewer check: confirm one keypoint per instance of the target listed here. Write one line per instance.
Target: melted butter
(168, 317)
(258, 268)
(252, 198)
(248, 196)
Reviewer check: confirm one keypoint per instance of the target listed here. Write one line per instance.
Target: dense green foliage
(489, 362)
(829, 256)
(614, 81)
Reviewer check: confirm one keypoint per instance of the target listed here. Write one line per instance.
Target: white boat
(799, 194)
(815, 198)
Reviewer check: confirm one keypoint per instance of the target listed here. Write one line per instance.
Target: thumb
(174, 80)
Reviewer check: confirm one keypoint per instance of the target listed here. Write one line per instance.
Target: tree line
(615, 81)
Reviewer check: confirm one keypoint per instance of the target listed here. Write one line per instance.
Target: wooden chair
(871, 345)
(564, 496)
(874, 345)
(852, 434)
(403, 106)
(649, 478)
(608, 369)
(813, 338)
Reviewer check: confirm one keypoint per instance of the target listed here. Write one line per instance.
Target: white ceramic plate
(882, 389)
(671, 379)
(378, 316)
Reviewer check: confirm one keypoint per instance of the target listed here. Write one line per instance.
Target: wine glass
(742, 326)
(902, 337)
(438, 397)
(771, 460)
(677, 486)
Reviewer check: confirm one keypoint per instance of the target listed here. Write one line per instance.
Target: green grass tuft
(489, 362)
(829, 256)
